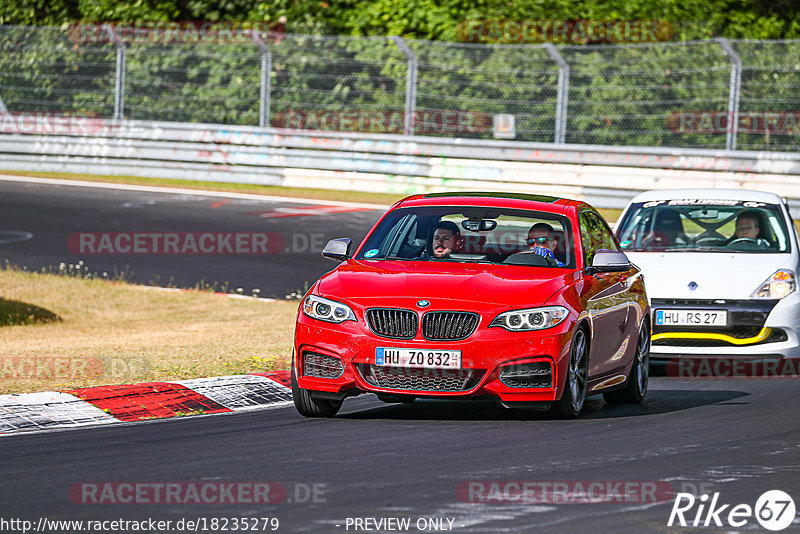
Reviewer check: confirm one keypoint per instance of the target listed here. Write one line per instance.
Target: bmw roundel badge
(423, 303)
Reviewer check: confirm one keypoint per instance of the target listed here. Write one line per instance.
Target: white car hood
(668, 275)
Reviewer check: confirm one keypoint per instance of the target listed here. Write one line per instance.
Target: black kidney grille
(394, 323)
(448, 326)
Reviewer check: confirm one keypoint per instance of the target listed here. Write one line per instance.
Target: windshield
(695, 225)
(472, 234)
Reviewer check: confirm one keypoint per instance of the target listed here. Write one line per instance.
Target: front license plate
(692, 317)
(430, 359)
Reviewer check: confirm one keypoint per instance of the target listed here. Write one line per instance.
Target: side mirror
(337, 249)
(609, 261)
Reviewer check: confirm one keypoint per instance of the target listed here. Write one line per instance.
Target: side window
(594, 236)
(590, 238)
(606, 236)
(394, 242)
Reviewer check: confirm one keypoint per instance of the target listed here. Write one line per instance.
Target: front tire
(308, 406)
(636, 388)
(571, 403)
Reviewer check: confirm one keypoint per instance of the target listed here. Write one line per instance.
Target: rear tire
(636, 388)
(571, 403)
(308, 406)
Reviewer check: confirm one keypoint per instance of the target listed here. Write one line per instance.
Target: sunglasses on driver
(538, 240)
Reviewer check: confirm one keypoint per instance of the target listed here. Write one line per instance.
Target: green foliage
(42, 70)
(617, 94)
(216, 83)
(14, 312)
(40, 12)
(426, 19)
(104, 10)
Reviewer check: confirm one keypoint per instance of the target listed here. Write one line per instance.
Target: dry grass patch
(114, 332)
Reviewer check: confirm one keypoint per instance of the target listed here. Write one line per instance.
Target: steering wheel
(527, 257)
(762, 243)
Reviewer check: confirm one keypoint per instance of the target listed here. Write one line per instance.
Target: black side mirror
(609, 261)
(337, 249)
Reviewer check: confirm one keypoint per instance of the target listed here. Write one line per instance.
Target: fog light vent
(527, 375)
(321, 365)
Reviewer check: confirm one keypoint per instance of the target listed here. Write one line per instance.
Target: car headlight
(327, 310)
(531, 318)
(776, 286)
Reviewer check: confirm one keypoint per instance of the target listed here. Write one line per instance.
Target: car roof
(497, 199)
(708, 194)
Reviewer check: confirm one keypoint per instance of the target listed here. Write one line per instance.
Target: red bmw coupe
(523, 298)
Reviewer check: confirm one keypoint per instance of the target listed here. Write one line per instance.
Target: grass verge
(115, 332)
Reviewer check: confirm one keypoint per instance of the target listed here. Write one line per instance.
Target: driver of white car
(748, 226)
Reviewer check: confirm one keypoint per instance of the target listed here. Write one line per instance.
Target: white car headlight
(531, 318)
(777, 286)
(327, 310)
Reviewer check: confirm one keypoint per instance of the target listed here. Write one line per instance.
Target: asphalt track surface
(50, 214)
(735, 437)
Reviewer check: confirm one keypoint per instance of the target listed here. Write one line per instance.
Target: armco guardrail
(603, 175)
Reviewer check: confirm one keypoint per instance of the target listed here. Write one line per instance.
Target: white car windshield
(700, 225)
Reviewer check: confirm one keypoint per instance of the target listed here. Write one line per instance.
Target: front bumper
(484, 355)
(756, 328)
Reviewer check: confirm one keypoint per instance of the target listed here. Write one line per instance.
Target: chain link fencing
(714, 94)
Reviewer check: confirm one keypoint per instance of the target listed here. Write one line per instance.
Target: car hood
(668, 275)
(374, 282)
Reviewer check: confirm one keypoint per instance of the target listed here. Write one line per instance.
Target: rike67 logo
(774, 510)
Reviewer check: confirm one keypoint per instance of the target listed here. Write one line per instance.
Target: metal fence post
(265, 91)
(411, 85)
(119, 83)
(733, 92)
(562, 96)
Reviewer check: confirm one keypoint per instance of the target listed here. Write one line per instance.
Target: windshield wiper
(694, 249)
(396, 258)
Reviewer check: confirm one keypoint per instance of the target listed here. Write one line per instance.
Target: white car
(721, 270)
